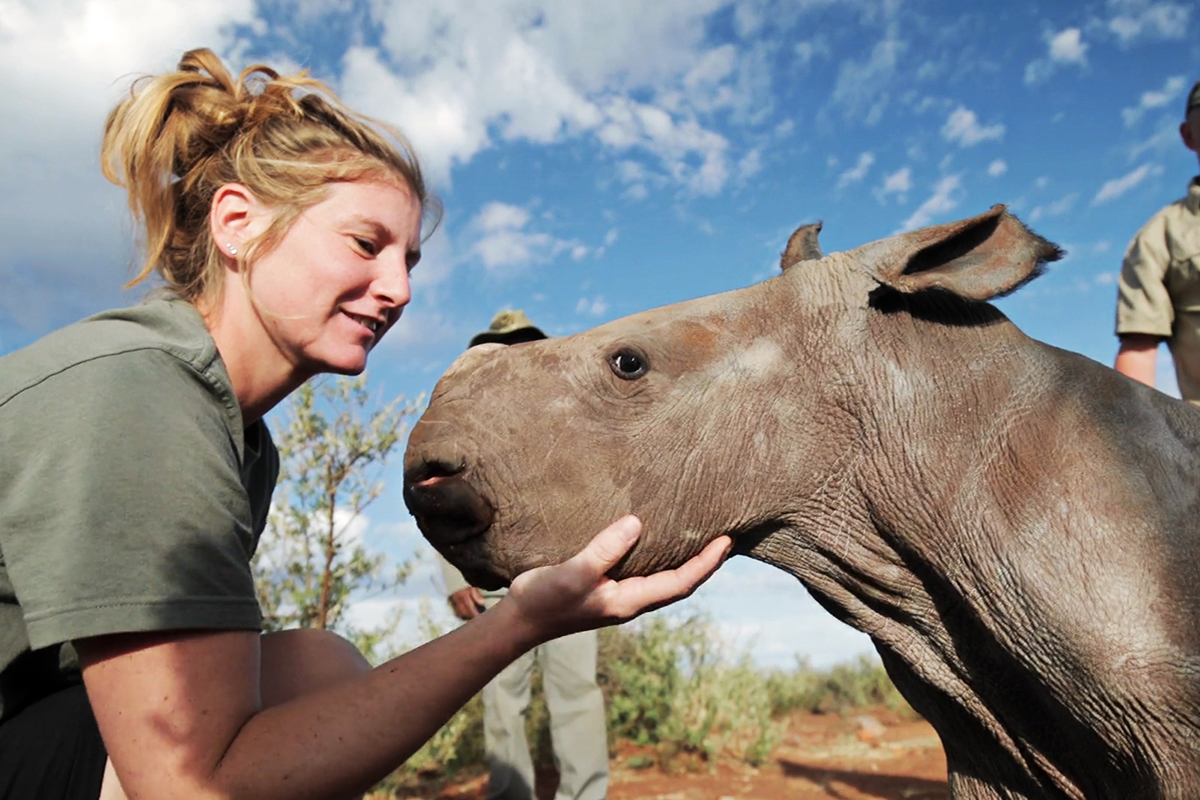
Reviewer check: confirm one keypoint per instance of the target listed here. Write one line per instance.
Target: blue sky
(601, 157)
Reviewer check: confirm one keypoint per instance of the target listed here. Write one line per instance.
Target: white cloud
(1119, 186)
(499, 216)
(1164, 141)
(857, 172)
(594, 307)
(637, 191)
(692, 155)
(810, 49)
(1065, 47)
(1059, 207)
(749, 165)
(1140, 20)
(632, 171)
(457, 75)
(63, 65)
(940, 202)
(861, 87)
(350, 528)
(1158, 98)
(898, 183)
(997, 168)
(727, 77)
(962, 127)
(503, 245)
(1063, 205)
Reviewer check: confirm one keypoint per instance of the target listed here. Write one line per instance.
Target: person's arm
(1145, 311)
(1137, 356)
(466, 601)
(181, 715)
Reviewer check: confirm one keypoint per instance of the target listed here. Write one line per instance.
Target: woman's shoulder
(168, 327)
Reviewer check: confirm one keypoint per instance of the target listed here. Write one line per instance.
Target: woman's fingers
(608, 546)
(578, 594)
(634, 596)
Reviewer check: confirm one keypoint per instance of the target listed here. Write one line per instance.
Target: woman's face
(338, 279)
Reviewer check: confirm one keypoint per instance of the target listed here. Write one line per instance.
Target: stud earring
(232, 249)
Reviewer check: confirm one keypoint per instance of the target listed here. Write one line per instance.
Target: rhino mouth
(447, 508)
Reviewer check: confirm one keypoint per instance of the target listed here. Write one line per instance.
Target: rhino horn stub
(977, 259)
(802, 246)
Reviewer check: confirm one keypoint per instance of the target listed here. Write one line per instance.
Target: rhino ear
(802, 246)
(977, 259)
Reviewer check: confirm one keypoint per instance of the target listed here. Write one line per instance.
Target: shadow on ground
(869, 783)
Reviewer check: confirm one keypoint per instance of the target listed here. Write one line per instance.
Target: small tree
(311, 560)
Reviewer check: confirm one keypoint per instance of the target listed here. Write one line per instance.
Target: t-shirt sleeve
(1143, 303)
(125, 510)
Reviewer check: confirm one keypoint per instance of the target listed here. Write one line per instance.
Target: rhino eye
(627, 364)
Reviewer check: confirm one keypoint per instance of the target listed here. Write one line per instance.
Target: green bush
(672, 686)
(844, 687)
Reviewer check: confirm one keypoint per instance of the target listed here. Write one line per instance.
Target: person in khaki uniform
(577, 727)
(1159, 290)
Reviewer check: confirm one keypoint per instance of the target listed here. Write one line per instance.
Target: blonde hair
(180, 136)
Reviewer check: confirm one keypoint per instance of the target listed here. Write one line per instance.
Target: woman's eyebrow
(377, 227)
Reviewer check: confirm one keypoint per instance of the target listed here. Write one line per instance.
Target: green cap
(1193, 99)
(509, 327)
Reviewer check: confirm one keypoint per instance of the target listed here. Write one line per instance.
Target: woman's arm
(181, 713)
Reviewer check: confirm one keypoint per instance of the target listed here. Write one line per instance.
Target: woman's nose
(392, 285)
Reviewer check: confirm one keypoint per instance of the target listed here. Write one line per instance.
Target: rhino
(1015, 526)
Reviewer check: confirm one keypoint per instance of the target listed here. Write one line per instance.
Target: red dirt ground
(867, 754)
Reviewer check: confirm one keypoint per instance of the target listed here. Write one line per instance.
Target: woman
(136, 471)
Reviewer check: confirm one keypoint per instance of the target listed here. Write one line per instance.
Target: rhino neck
(947, 558)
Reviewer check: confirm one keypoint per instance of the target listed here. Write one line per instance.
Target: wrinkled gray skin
(1015, 526)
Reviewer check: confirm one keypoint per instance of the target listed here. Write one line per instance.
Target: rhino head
(741, 413)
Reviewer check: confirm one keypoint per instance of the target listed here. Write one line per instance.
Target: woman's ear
(236, 218)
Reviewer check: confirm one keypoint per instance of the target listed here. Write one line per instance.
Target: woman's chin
(344, 364)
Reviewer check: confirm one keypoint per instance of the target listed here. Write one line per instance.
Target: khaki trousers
(577, 725)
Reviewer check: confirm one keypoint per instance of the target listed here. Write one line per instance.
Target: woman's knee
(305, 661)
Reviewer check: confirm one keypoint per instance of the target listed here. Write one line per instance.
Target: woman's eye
(366, 245)
(628, 365)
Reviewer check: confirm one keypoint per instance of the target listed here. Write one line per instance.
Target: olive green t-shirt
(131, 497)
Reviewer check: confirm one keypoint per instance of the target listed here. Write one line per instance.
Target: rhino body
(1014, 525)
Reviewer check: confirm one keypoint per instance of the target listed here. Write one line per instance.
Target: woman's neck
(260, 374)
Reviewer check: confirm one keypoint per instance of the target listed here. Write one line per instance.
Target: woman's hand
(578, 595)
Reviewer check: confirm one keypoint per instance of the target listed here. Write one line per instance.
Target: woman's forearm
(342, 741)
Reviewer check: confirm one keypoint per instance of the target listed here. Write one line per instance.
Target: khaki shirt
(1159, 290)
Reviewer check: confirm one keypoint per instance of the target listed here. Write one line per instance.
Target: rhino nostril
(447, 508)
